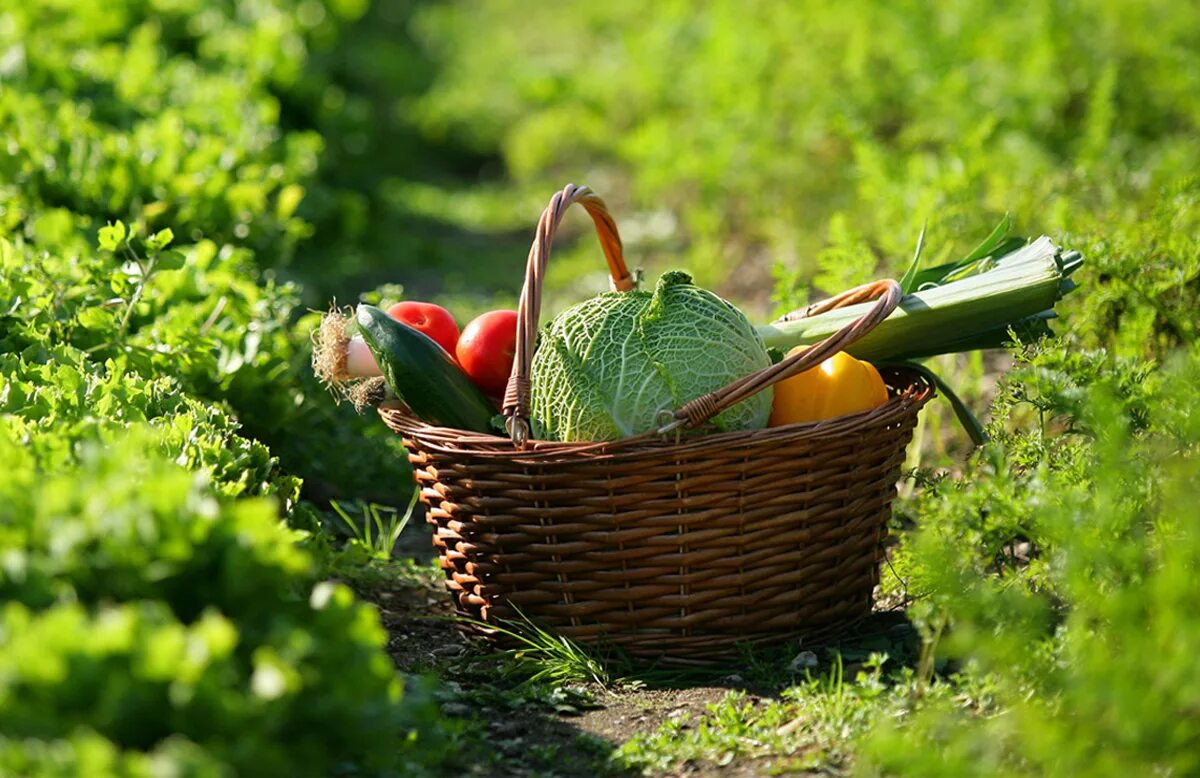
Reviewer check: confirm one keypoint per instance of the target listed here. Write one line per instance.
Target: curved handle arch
(699, 410)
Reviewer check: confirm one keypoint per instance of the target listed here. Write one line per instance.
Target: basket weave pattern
(678, 550)
(670, 546)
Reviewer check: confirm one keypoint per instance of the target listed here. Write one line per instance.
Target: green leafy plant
(142, 606)
(380, 525)
(1086, 616)
(156, 417)
(115, 239)
(549, 658)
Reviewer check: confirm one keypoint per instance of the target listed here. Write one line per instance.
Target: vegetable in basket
(485, 350)
(611, 366)
(416, 369)
(422, 374)
(967, 305)
(1005, 286)
(606, 368)
(433, 320)
(340, 357)
(836, 387)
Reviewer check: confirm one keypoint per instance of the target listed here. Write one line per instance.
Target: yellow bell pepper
(836, 387)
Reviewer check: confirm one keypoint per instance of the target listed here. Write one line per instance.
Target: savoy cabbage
(607, 367)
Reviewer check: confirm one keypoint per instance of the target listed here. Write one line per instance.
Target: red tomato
(433, 320)
(485, 350)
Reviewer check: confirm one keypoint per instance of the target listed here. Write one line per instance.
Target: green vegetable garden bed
(209, 567)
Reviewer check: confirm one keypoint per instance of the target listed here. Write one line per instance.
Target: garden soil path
(509, 734)
(423, 639)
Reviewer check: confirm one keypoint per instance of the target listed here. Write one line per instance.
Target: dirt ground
(516, 736)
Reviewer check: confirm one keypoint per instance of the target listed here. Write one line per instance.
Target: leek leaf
(966, 418)
(908, 282)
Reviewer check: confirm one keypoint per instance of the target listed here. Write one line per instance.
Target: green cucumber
(422, 374)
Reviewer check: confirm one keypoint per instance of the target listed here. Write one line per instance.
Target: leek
(977, 303)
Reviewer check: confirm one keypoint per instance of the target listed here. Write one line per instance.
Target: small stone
(735, 678)
(803, 661)
(514, 745)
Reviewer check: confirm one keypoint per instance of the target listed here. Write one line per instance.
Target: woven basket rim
(911, 390)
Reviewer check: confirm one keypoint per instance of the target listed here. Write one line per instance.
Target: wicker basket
(669, 546)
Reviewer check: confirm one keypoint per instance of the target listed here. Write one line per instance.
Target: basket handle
(886, 292)
(516, 394)
(699, 410)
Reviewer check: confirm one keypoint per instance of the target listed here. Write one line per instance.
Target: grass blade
(557, 657)
(356, 532)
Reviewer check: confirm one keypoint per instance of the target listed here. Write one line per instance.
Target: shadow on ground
(515, 728)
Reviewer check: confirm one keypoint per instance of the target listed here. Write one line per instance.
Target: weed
(544, 657)
(380, 526)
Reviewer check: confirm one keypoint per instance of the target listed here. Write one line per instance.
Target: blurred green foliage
(763, 132)
(172, 114)
(142, 607)
(158, 418)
